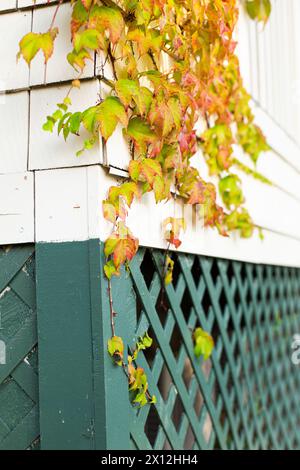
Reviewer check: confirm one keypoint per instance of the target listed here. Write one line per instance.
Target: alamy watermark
(2, 353)
(295, 357)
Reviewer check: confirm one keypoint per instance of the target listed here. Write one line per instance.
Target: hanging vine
(174, 85)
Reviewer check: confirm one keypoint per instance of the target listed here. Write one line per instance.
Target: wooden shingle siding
(13, 75)
(48, 210)
(56, 152)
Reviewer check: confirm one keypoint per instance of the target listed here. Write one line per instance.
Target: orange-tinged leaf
(173, 227)
(32, 43)
(109, 19)
(87, 3)
(109, 211)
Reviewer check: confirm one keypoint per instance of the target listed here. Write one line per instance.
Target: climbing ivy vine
(174, 85)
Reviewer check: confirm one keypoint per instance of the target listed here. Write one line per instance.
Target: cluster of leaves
(174, 68)
(137, 378)
(174, 72)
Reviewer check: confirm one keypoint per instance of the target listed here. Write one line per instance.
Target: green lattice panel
(19, 422)
(247, 395)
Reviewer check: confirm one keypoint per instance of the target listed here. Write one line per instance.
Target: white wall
(49, 194)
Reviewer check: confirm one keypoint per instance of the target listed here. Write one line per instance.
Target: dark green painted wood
(111, 405)
(245, 396)
(83, 396)
(65, 347)
(19, 411)
(248, 393)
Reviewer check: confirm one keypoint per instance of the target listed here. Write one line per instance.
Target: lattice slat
(247, 394)
(19, 410)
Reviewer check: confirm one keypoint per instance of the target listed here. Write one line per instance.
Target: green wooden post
(83, 396)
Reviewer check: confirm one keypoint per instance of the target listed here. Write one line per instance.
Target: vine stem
(50, 27)
(55, 14)
(112, 313)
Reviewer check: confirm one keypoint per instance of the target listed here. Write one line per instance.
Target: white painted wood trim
(17, 208)
(75, 214)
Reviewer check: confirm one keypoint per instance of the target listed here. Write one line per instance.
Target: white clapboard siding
(16, 208)
(270, 63)
(64, 201)
(48, 150)
(8, 4)
(58, 68)
(73, 210)
(29, 3)
(13, 26)
(278, 139)
(14, 113)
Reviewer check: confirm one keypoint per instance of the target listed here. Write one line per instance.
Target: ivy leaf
(169, 267)
(150, 171)
(204, 343)
(173, 226)
(89, 119)
(87, 39)
(141, 399)
(104, 18)
(74, 122)
(121, 245)
(153, 400)
(110, 269)
(140, 131)
(115, 347)
(109, 211)
(32, 43)
(109, 113)
(126, 190)
(144, 342)
(240, 220)
(79, 16)
(127, 90)
(87, 3)
(124, 251)
(230, 191)
(77, 59)
(259, 10)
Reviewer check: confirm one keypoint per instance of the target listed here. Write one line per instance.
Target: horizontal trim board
(75, 214)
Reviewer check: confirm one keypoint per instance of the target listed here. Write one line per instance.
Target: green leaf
(147, 341)
(89, 119)
(127, 90)
(204, 343)
(87, 3)
(230, 191)
(141, 399)
(32, 43)
(115, 347)
(140, 131)
(49, 124)
(109, 113)
(110, 269)
(169, 266)
(87, 39)
(77, 59)
(74, 122)
(259, 10)
(153, 400)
